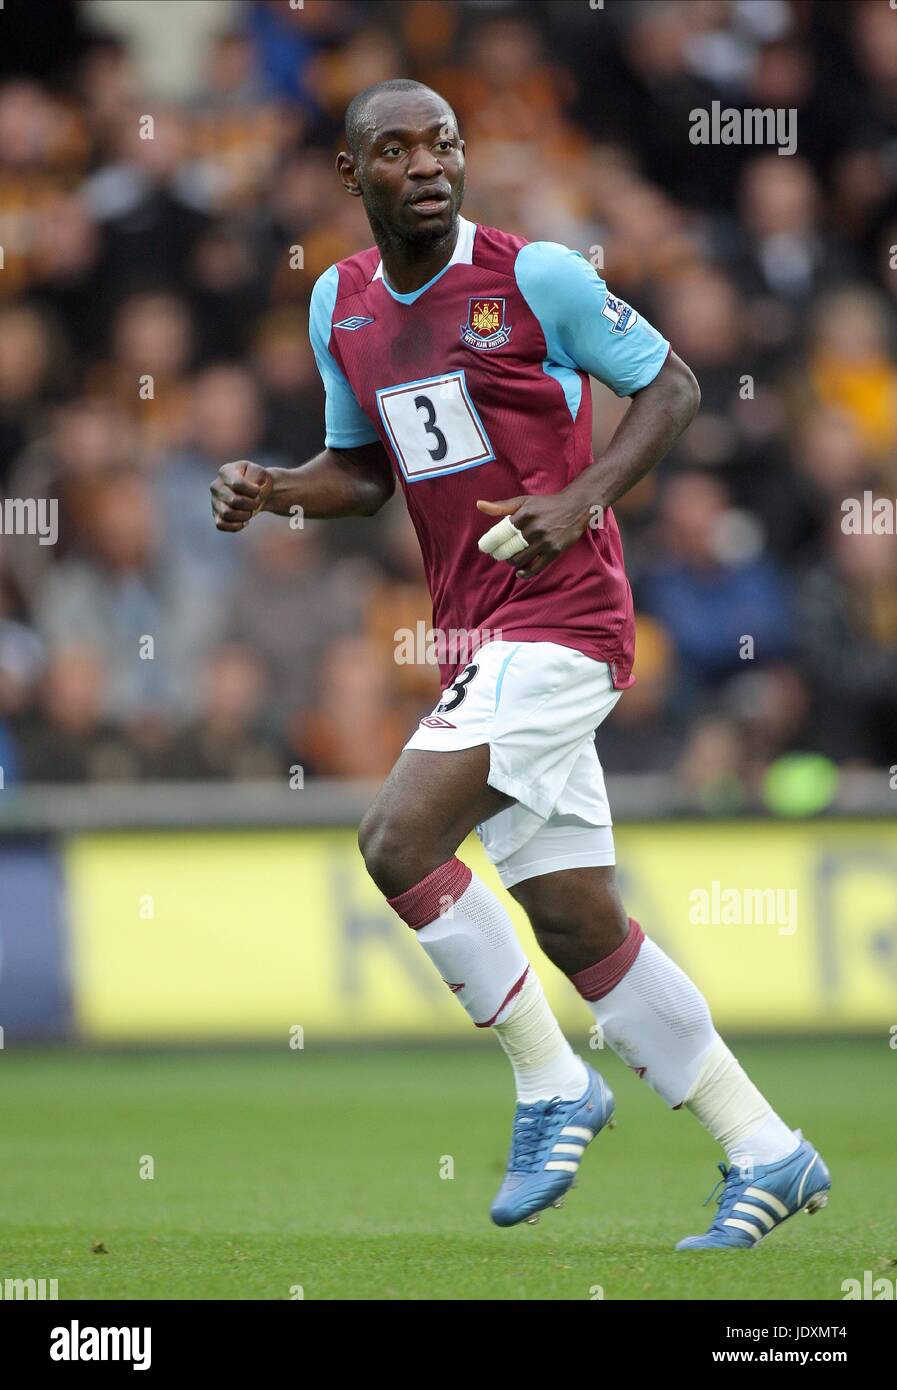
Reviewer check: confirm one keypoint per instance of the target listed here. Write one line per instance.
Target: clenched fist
(240, 490)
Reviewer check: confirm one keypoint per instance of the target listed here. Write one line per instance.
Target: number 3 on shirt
(433, 426)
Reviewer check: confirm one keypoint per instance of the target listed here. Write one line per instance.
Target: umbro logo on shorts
(434, 722)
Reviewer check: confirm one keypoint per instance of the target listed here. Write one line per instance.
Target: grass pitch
(321, 1171)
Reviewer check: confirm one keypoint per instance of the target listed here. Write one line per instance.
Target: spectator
(290, 603)
(721, 599)
(847, 641)
(146, 620)
(230, 738)
(68, 738)
(152, 346)
(29, 359)
(224, 422)
(353, 730)
(850, 365)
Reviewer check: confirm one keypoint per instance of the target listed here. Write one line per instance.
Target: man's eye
(447, 144)
(393, 149)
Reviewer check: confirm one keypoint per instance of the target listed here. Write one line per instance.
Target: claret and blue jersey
(477, 385)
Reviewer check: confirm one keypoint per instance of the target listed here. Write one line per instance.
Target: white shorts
(537, 705)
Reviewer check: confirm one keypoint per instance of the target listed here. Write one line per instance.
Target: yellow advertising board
(249, 934)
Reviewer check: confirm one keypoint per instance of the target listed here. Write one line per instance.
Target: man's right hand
(240, 490)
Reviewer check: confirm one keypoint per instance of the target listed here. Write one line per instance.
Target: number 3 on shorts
(458, 689)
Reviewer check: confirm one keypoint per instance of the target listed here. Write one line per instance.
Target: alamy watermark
(869, 516)
(30, 516)
(38, 1289)
(83, 1343)
(871, 1287)
(430, 646)
(727, 125)
(744, 907)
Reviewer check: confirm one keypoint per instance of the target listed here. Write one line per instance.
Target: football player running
(456, 358)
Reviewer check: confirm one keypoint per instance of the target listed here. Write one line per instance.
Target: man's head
(405, 161)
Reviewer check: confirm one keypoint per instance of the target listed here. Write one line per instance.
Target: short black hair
(356, 111)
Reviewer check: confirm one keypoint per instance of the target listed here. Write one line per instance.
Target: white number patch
(434, 427)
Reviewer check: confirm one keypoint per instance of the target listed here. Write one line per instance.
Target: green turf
(274, 1170)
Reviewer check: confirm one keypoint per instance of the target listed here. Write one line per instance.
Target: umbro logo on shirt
(356, 321)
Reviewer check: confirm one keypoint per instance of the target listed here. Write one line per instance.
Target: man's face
(410, 168)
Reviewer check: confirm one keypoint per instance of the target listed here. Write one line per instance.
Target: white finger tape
(503, 540)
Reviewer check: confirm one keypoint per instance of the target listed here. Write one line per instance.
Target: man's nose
(423, 164)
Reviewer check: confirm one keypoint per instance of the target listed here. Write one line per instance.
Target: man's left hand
(549, 525)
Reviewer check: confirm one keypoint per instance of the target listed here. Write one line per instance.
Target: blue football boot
(547, 1145)
(753, 1202)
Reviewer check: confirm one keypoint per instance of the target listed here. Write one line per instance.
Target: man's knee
(378, 837)
(573, 904)
(390, 849)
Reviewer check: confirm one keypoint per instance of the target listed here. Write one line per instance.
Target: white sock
(729, 1105)
(470, 939)
(544, 1063)
(476, 951)
(656, 1019)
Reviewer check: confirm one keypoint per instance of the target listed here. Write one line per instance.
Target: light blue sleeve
(346, 425)
(585, 326)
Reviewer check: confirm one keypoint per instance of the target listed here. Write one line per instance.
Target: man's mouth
(428, 201)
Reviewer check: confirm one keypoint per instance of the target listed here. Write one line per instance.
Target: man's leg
(659, 1023)
(427, 806)
(649, 1011)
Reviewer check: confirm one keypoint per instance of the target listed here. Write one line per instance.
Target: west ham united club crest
(485, 327)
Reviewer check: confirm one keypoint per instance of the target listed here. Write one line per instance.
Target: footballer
(456, 358)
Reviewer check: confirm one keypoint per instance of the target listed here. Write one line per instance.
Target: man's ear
(345, 167)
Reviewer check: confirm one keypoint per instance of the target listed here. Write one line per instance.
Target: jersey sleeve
(346, 425)
(585, 326)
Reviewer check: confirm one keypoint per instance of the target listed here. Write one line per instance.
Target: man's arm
(351, 477)
(587, 329)
(336, 482)
(654, 421)
(659, 413)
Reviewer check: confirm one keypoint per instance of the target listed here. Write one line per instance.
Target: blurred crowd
(153, 325)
